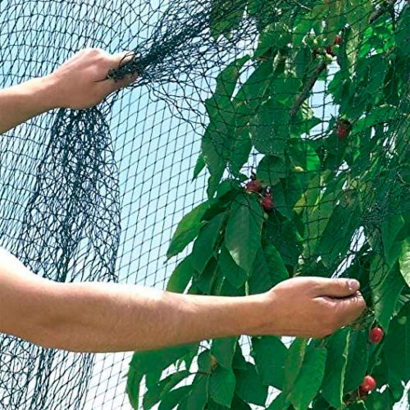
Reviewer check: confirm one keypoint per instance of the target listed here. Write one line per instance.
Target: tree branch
(379, 12)
(306, 89)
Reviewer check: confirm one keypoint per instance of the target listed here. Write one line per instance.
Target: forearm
(24, 101)
(98, 317)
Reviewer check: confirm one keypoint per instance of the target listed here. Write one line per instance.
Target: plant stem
(306, 89)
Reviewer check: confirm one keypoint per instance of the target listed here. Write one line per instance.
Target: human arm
(102, 317)
(79, 83)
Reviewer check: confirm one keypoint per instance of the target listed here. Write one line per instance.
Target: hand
(311, 307)
(81, 81)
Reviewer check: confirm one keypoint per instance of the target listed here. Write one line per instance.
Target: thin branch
(307, 89)
(379, 12)
(301, 5)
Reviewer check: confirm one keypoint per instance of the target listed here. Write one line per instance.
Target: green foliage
(243, 231)
(270, 354)
(340, 204)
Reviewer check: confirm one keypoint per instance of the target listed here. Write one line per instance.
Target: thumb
(340, 288)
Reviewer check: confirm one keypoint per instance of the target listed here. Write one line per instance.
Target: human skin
(102, 317)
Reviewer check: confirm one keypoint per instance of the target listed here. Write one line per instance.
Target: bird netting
(263, 140)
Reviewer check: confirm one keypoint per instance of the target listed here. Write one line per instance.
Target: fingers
(347, 310)
(337, 288)
(119, 59)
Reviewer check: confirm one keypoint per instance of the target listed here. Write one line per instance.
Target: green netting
(309, 97)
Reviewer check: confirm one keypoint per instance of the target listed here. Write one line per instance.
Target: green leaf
(239, 404)
(255, 87)
(249, 386)
(225, 17)
(224, 350)
(397, 346)
(377, 115)
(236, 275)
(222, 386)
(402, 33)
(390, 229)
(271, 169)
(317, 219)
(174, 397)
(274, 36)
(277, 268)
(225, 86)
(269, 354)
(205, 362)
(133, 387)
(243, 231)
(198, 397)
(386, 284)
(204, 245)
(199, 166)
(206, 279)
(333, 382)
(157, 392)
(404, 260)
(213, 147)
(260, 280)
(181, 276)
(269, 128)
(310, 378)
(337, 236)
(241, 146)
(154, 360)
(357, 360)
(380, 401)
(187, 230)
(239, 361)
(293, 363)
(302, 61)
(280, 403)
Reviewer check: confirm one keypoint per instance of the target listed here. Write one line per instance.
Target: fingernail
(354, 285)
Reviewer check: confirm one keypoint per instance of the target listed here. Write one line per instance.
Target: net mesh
(312, 97)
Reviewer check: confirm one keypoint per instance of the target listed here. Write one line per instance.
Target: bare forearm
(97, 317)
(24, 101)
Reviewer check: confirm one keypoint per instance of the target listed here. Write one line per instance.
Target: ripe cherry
(338, 39)
(376, 335)
(253, 186)
(368, 385)
(267, 203)
(343, 129)
(329, 51)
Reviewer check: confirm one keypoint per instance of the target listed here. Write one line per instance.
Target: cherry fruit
(376, 335)
(329, 51)
(343, 129)
(368, 385)
(267, 203)
(253, 186)
(338, 39)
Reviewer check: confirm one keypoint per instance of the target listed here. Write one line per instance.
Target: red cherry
(342, 132)
(267, 203)
(376, 334)
(253, 186)
(329, 51)
(343, 129)
(338, 39)
(368, 385)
